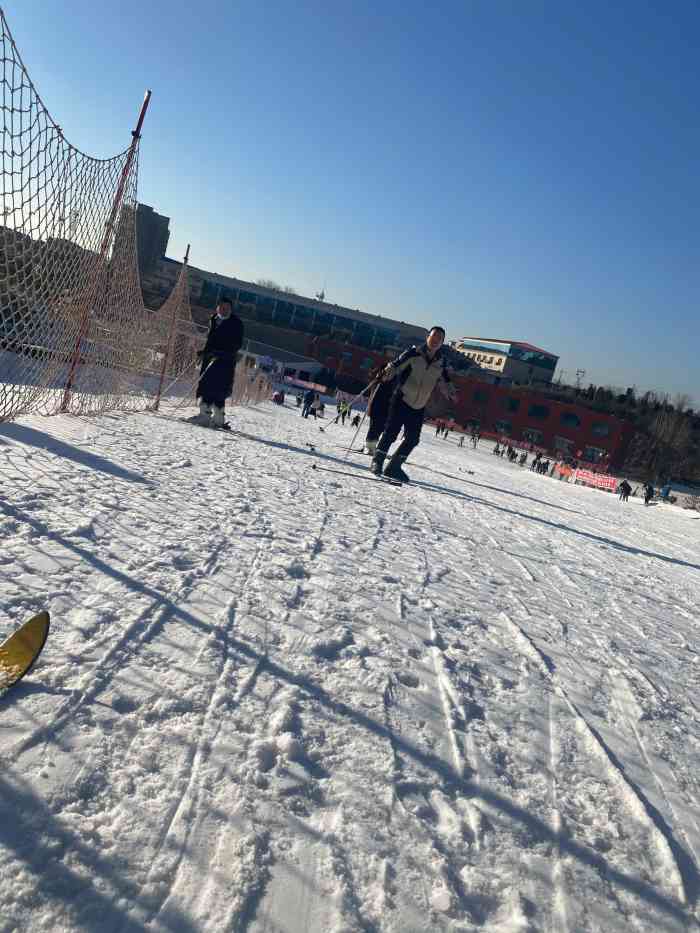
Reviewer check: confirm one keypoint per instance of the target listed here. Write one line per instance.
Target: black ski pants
(403, 416)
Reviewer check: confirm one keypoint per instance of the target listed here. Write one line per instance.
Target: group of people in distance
(624, 490)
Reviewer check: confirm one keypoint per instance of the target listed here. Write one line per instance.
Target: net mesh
(69, 289)
(176, 340)
(74, 333)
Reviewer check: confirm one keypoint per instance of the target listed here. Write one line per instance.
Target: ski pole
(180, 375)
(352, 401)
(359, 427)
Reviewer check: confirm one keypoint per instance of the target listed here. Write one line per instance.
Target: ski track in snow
(278, 700)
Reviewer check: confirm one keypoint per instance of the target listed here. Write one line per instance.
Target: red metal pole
(109, 227)
(171, 339)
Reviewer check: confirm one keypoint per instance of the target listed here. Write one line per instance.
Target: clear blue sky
(526, 169)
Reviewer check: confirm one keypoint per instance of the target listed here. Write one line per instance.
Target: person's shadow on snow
(32, 437)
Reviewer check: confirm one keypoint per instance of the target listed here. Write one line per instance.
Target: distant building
(565, 427)
(511, 360)
(152, 236)
(281, 318)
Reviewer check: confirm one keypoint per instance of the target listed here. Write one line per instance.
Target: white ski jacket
(419, 374)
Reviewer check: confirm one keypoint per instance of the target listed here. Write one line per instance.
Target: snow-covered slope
(279, 699)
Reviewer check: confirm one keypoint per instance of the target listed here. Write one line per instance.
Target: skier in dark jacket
(309, 397)
(418, 371)
(224, 340)
(378, 409)
(648, 493)
(624, 490)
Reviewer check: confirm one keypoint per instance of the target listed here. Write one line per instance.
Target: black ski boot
(394, 471)
(377, 463)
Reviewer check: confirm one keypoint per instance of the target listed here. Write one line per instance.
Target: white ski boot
(217, 420)
(204, 416)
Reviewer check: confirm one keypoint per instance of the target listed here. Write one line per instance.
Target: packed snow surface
(285, 700)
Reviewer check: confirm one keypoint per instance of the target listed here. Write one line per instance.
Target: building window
(481, 396)
(511, 404)
(503, 427)
(563, 445)
(265, 307)
(283, 312)
(600, 428)
(303, 318)
(532, 435)
(538, 411)
(593, 454)
(570, 420)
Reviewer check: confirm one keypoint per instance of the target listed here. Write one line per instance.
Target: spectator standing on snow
(648, 493)
(418, 372)
(224, 340)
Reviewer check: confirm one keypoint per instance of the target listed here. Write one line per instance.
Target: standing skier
(378, 408)
(223, 342)
(624, 490)
(309, 396)
(418, 371)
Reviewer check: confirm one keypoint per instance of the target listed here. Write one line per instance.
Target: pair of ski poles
(373, 385)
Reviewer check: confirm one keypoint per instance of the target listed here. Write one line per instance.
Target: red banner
(598, 480)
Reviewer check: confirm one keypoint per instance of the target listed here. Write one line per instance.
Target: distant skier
(461, 441)
(224, 340)
(624, 489)
(419, 370)
(356, 421)
(309, 396)
(648, 493)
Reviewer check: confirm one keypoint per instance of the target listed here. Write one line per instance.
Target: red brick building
(561, 426)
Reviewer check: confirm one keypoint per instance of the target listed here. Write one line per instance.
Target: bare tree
(269, 283)
(670, 436)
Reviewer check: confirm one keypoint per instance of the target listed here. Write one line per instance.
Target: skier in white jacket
(418, 371)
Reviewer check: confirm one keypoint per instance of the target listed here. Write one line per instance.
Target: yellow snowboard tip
(19, 652)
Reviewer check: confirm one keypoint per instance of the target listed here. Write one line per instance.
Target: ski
(226, 426)
(387, 480)
(21, 649)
